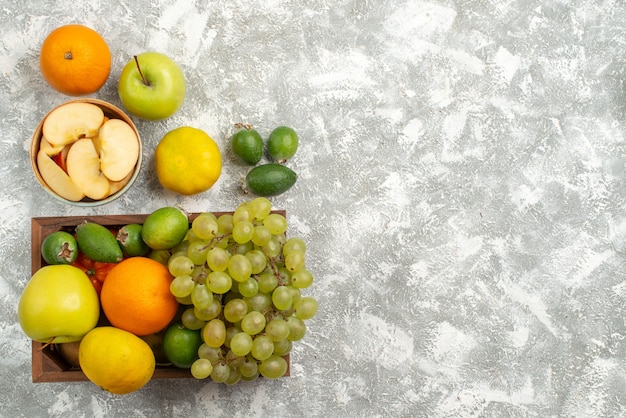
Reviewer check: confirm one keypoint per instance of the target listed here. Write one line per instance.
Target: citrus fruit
(180, 345)
(116, 360)
(136, 296)
(165, 228)
(187, 161)
(75, 60)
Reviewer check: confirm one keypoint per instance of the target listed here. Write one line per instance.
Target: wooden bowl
(110, 111)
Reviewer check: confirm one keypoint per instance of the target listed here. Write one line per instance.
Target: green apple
(152, 86)
(58, 305)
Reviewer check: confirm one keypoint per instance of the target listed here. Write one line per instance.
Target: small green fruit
(270, 179)
(282, 144)
(247, 144)
(131, 242)
(165, 228)
(59, 247)
(98, 243)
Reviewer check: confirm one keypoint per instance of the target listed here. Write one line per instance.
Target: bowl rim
(109, 110)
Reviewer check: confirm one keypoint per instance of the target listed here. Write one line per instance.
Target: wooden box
(47, 364)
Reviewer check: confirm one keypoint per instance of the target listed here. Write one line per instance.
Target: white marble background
(461, 189)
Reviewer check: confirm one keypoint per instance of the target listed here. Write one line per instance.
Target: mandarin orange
(75, 60)
(136, 296)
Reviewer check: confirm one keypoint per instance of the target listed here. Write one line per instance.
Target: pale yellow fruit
(116, 360)
(188, 161)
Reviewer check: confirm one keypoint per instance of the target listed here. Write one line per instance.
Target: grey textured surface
(461, 189)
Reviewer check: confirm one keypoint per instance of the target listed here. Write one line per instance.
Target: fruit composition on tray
(169, 294)
(219, 295)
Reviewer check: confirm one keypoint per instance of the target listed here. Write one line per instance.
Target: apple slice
(119, 149)
(116, 186)
(57, 179)
(83, 167)
(72, 121)
(46, 147)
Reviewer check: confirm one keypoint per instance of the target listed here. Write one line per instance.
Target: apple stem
(46, 344)
(140, 72)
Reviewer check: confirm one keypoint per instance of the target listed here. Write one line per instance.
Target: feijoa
(282, 144)
(130, 240)
(247, 144)
(98, 242)
(59, 247)
(270, 179)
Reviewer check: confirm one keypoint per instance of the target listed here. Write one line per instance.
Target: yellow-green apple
(152, 86)
(83, 167)
(118, 148)
(58, 305)
(57, 179)
(116, 186)
(45, 146)
(72, 121)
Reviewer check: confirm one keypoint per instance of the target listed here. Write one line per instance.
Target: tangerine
(75, 60)
(136, 296)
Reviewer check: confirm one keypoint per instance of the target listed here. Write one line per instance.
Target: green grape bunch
(240, 280)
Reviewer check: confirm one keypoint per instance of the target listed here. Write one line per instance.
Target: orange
(75, 60)
(136, 296)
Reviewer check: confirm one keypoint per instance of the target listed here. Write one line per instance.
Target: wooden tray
(47, 364)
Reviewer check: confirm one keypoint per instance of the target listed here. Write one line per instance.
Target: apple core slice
(83, 167)
(119, 149)
(72, 121)
(57, 179)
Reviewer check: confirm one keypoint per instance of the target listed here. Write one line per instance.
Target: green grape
(220, 373)
(282, 347)
(197, 252)
(185, 300)
(234, 377)
(296, 295)
(205, 226)
(214, 333)
(241, 248)
(179, 265)
(162, 256)
(219, 282)
(306, 308)
(261, 235)
(281, 298)
(233, 360)
(248, 288)
(272, 249)
(253, 323)
(189, 319)
(249, 368)
(225, 224)
(200, 273)
(201, 296)
(258, 261)
(201, 368)
(235, 309)
(241, 343)
(242, 213)
(243, 232)
(284, 276)
(302, 278)
(262, 347)
(273, 367)
(277, 329)
(239, 267)
(250, 378)
(294, 243)
(180, 248)
(217, 259)
(213, 354)
(294, 261)
(258, 302)
(260, 207)
(267, 282)
(182, 286)
(276, 223)
(230, 333)
(297, 328)
(210, 312)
